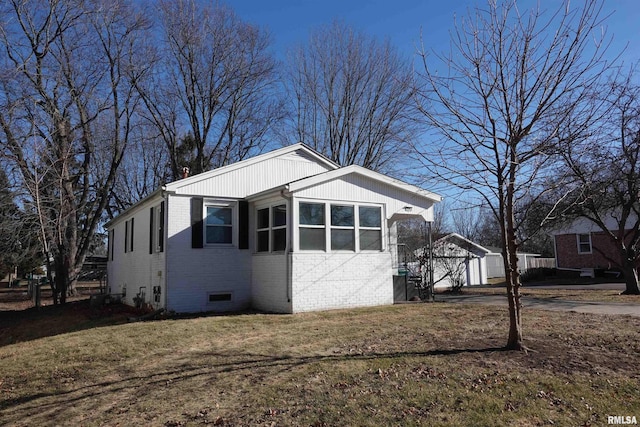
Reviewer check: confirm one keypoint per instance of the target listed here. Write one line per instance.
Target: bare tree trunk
(61, 279)
(630, 278)
(50, 279)
(514, 341)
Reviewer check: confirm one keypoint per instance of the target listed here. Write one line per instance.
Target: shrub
(534, 274)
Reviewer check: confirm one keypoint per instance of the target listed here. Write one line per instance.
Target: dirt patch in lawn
(21, 321)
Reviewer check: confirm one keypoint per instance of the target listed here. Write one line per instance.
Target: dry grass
(602, 295)
(424, 364)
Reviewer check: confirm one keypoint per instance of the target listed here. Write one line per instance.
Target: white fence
(495, 266)
(541, 262)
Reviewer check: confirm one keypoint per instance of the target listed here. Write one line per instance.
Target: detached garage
(457, 257)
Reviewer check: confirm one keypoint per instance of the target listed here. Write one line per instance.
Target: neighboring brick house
(582, 245)
(286, 231)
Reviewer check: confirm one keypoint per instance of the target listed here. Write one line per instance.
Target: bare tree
(450, 265)
(353, 97)
(144, 169)
(511, 81)
(466, 221)
(211, 84)
(19, 246)
(65, 114)
(606, 170)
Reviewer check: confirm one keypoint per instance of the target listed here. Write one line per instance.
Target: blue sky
(402, 21)
(289, 21)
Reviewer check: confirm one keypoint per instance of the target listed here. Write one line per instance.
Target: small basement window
(220, 297)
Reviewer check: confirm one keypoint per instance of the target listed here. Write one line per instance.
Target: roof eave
(337, 173)
(160, 190)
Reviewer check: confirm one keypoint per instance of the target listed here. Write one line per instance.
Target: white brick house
(286, 231)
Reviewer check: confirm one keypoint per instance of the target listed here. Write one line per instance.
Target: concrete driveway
(551, 303)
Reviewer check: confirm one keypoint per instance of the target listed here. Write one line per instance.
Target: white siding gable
(254, 175)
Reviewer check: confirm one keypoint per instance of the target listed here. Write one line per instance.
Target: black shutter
(161, 228)
(197, 230)
(243, 226)
(131, 234)
(126, 236)
(112, 240)
(151, 230)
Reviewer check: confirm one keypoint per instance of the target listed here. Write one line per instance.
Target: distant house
(582, 246)
(287, 231)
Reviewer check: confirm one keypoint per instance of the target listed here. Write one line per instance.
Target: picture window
(351, 227)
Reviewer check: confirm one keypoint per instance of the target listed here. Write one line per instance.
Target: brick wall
(136, 270)
(269, 287)
(568, 257)
(193, 274)
(323, 281)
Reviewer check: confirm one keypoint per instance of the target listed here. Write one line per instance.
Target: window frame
(233, 225)
(339, 227)
(271, 227)
(128, 235)
(274, 227)
(580, 243)
(328, 226)
(322, 226)
(110, 244)
(262, 230)
(156, 229)
(368, 228)
(219, 297)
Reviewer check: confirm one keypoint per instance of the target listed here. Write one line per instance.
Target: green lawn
(424, 364)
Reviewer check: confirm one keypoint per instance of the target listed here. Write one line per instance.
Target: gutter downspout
(288, 252)
(165, 236)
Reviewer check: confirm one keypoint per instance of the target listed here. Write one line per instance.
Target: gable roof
(311, 181)
(290, 149)
(584, 225)
(297, 152)
(460, 238)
